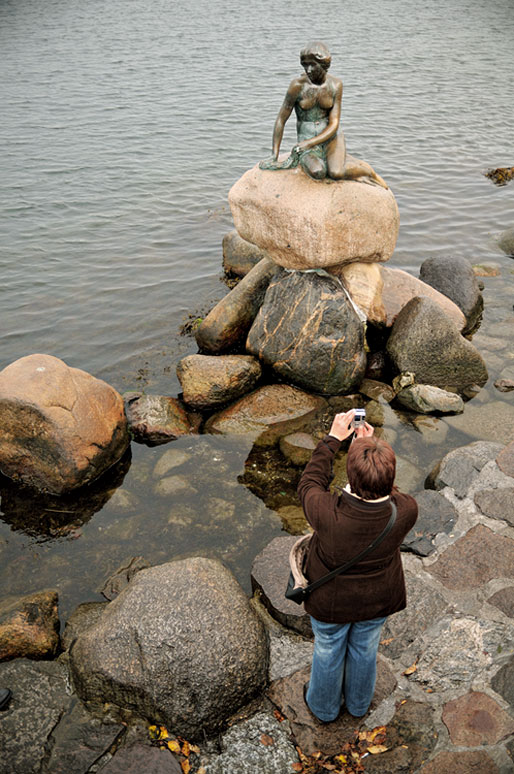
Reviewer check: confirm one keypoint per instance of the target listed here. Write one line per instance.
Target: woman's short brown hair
(371, 467)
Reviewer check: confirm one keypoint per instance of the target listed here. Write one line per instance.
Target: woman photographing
(348, 612)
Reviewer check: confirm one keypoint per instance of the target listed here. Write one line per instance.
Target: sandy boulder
(400, 287)
(305, 223)
(61, 427)
(209, 382)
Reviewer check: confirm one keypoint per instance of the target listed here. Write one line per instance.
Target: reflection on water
(122, 131)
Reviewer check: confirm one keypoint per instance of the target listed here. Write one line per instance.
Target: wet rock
(462, 762)
(426, 343)
(505, 460)
(411, 737)
(433, 430)
(506, 242)
(426, 399)
(173, 485)
(122, 577)
(504, 385)
(142, 758)
(424, 606)
(297, 447)
(467, 563)
(376, 390)
(84, 616)
(493, 421)
(461, 467)
(78, 741)
(461, 652)
(376, 365)
(227, 325)
(488, 269)
(503, 683)
(497, 503)
(435, 514)
(209, 382)
(122, 501)
(270, 573)
(325, 355)
(172, 458)
(454, 277)
(293, 519)
(375, 413)
(180, 645)
(401, 287)
(29, 626)
(304, 225)
(155, 419)
(364, 283)
(309, 732)
(61, 427)
(243, 751)
(240, 256)
(504, 600)
(475, 719)
(409, 478)
(38, 703)
(267, 414)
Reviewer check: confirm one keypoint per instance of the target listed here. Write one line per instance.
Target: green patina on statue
(321, 148)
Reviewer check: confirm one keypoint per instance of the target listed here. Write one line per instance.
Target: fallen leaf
(297, 767)
(375, 749)
(174, 746)
(194, 748)
(185, 749)
(185, 766)
(279, 715)
(341, 759)
(376, 731)
(413, 668)
(266, 740)
(387, 642)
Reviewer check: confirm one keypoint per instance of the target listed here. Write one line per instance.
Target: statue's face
(315, 72)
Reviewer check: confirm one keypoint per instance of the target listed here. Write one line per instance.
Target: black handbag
(297, 592)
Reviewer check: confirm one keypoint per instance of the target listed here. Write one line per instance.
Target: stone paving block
(476, 719)
(475, 559)
(476, 762)
(503, 682)
(504, 600)
(140, 758)
(309, 732)
(496, 503)
(505, 460)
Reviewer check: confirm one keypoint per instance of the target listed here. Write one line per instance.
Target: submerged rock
(506, 242)
(180, 645)
(267, 414)
(425, 399)
(401, 287)
(122, 577)
(155, 419)
(297, 447)
(209, 382)
(227, 325)
(61, 427)
(426, 343)
(455, 278)
(308, 332)
(240, 256)
(29, 626)
(305, 224)
(435, 514)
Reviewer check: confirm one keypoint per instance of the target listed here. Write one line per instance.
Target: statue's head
(318, 52)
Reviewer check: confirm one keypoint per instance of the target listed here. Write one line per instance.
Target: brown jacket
(343, 526)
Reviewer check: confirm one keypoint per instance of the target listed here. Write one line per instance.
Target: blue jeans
(344, 661)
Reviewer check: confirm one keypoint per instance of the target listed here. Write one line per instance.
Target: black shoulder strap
(368, 550)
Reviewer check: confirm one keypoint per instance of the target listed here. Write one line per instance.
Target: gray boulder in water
(426, 343)
(425, 399)
(455, 278)
(309, 333)
(180, 646)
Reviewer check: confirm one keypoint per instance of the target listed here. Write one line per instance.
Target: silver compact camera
(359, 418)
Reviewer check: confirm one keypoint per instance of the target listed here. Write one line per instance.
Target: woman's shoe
(305, 689)
(5, 697)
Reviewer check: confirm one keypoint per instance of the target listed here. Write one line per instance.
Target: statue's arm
(333, 122)
(283, 114)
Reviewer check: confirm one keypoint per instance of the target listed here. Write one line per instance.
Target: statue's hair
(317, 51)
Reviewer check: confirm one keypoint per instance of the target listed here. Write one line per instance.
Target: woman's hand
(342, 425)
(364, 431)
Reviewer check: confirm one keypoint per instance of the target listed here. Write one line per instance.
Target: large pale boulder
(61, 427)
(308, 332)
(209, 382)
(364, 282)
(305, 223)
(228, 323)
(400, 287)
(180, 645)
(268, 414)
(455, 278)
(426, 343)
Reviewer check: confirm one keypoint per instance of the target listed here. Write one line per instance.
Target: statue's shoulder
(336, 83)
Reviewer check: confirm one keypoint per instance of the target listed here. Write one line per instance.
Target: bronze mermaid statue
(321, 148)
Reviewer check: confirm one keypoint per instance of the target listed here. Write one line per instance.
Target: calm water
(123, 126)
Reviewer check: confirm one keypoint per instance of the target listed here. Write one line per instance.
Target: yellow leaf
(377, 748)
(185, 765)
(341, 759)
(376, 731)
(153, 732)
(185, 749)
(194, 748)
(174, 746)
(411, 669)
